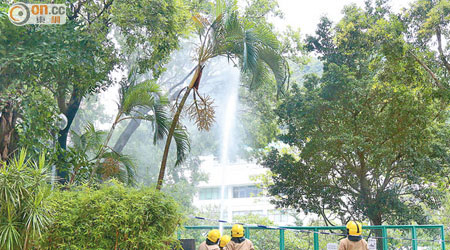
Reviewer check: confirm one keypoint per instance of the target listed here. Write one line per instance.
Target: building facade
(241, 194)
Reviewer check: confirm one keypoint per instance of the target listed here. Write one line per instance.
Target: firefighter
(238, 241)
(211, 242)
(354, 240)
(224, 241)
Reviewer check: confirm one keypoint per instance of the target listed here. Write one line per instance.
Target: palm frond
(140, 95)
(133, 75)
(221, 7)
(276, 64)
(161, 122)
(76, 139)
(260, 77)
(183, 144)
(250, 52)
(233, 30)
(266, 37)
(201, 22)
(89, 140)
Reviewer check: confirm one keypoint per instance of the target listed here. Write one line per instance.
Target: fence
(415, 237)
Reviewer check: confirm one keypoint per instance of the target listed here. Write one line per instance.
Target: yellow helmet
(354, 228)
(214, 235)
(224, 240)
(237, 231)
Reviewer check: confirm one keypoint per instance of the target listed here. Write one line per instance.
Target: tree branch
(76, 10)
(430, 72)
(105, 7)
(441, 52)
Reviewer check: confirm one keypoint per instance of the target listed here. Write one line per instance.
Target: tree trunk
(126, 135)
(376, 220)
(7, 124)
(174, 124)
(195, 80)
(128, 132)
(70, 111)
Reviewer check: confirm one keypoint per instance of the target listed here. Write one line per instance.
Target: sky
(306, 14)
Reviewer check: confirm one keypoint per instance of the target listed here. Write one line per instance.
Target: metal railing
(382, 236)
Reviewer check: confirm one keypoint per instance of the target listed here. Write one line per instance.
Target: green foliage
(37, 126)
(24, 193)
(254, 44)
(367, 139)
(152, 28)
(83, 154)
(68, 62)
(442, 215)
(260, 10)
(112, 217)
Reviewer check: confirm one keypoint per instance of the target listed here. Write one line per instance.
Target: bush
(24, 214)
(112, 217)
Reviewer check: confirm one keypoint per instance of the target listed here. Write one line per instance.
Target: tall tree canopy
(368, 139)
(427, 32)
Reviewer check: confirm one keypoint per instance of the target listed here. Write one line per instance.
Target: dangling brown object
(197, 76)
(197, 81)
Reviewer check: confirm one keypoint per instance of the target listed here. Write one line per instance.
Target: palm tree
(83, 156)
(145, 95)
(255, 47)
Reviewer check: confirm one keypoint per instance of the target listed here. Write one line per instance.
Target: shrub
(112, 216)
(24, 212)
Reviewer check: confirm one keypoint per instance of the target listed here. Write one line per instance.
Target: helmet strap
(238, 239)
(355, 237)
(210, 243)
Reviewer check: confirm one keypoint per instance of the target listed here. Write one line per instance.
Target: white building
(241, 194)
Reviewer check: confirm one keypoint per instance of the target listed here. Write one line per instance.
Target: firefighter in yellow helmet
(354, 240)
(211, 242)
(238, 241)
(224, 241)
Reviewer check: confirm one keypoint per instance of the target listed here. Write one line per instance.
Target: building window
(211, 193)
(246, 191)
(278, 216)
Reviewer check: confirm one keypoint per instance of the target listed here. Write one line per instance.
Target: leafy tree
(150, 26)
(19, 97)
(76, 59)
(226, 35)
(45, 55)
(367, 139)
(24, 192)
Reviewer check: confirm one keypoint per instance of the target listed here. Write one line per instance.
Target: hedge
(112, 216)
